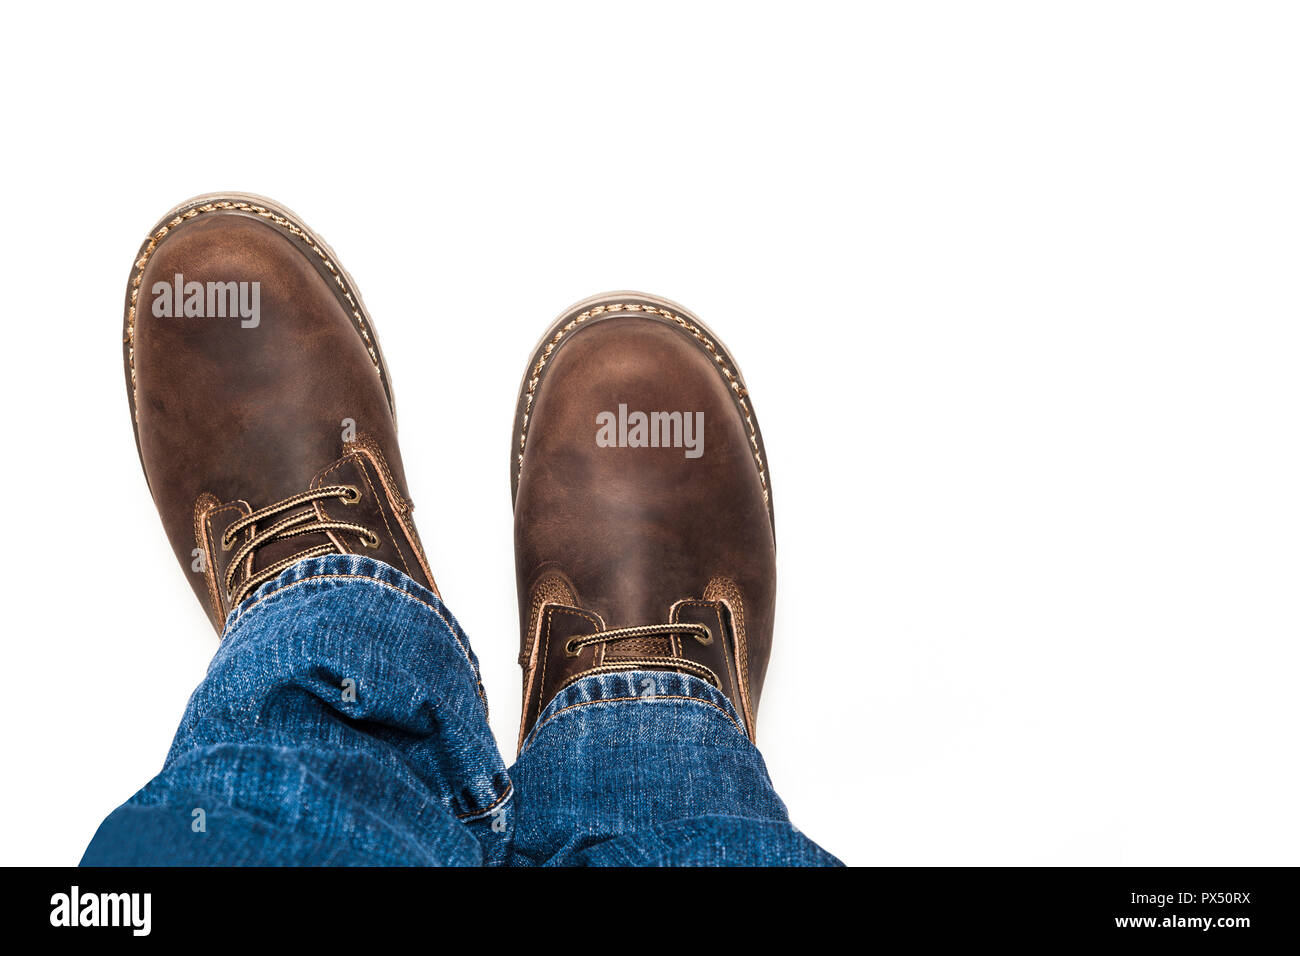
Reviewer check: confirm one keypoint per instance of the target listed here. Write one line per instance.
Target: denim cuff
(334, 570)
(415, 683)
(638, 688)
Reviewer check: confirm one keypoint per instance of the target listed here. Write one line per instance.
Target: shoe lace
(574, 645)
(292, 526)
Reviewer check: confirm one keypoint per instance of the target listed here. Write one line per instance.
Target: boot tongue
(364, 512)
(555, 661)
(269, 553)
(639, 648)
(366, 509)
(282, 549)
(559, 624)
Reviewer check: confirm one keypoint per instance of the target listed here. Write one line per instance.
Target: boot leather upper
(612, 537)
(232, 419)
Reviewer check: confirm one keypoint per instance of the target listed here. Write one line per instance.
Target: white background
(1014, 287)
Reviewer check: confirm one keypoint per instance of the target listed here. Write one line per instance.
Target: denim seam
(354, 577)
(472, 815)
(646, 700)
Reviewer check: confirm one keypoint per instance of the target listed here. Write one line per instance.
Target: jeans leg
(341, 722)
(646, 768)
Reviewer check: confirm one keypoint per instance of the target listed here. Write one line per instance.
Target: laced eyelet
(353, 496)
(569, 650)
(226, 543)
(372, 542)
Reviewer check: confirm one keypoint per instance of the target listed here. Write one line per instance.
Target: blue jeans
(342, 721)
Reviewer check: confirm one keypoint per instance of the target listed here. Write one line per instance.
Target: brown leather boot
(643, 509)
(262, 410)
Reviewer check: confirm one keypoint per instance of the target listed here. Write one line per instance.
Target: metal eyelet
(354, 497)
(569, 650)
(366, 542)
